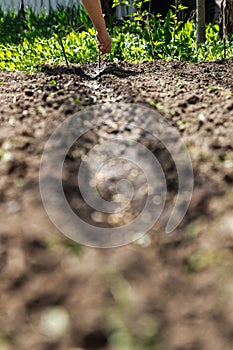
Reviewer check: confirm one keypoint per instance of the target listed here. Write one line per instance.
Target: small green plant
(142, 16)
(169, 38)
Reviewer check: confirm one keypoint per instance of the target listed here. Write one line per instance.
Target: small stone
(6, 146)
(7, 157)
(201, 117)
(25, 113)
(144, 241)
(54, 322)
(97, 216)
(12, 207)
(228, 163)
(11, 121)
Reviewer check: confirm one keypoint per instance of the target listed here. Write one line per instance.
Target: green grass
(27, 54)
(28, 42)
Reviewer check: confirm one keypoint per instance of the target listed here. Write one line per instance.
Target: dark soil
(166, 292)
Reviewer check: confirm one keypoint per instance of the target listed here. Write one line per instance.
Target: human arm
(94, 11)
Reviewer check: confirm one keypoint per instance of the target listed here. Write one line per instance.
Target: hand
(105, 42)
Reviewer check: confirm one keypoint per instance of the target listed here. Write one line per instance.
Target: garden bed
(165, 292)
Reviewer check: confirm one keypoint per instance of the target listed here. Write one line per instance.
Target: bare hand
(105, 42)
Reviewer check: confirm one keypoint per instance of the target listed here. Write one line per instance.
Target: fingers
(104, 48)
(105, 43)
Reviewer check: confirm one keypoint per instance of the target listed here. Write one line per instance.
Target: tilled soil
(165, 291)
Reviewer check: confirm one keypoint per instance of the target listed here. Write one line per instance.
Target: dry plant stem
(62, 47)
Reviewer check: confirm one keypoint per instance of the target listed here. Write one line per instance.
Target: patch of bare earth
(168, 292)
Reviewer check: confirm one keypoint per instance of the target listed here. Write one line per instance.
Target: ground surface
(172, 292)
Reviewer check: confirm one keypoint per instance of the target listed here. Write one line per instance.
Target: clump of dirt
(164, 291)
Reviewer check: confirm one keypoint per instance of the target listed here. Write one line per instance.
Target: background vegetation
(28, 40)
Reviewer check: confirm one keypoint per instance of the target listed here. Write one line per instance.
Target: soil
(165, 291)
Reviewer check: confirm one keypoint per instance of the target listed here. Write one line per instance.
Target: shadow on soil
(91, 73)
